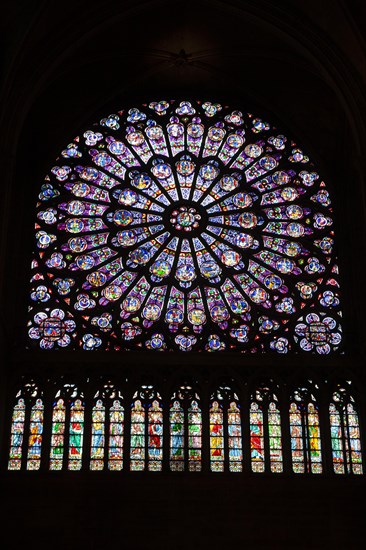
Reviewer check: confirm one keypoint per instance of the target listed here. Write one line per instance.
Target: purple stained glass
(184, 226)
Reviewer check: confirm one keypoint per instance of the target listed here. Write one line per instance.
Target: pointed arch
(345, 433)
(225, 431)
(107, 429)
(265, 431)
(306, 447)
(185, 424)
(146, 438)
(67, 429)
(26, 428)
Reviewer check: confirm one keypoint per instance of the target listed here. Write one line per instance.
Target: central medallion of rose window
(185, 218)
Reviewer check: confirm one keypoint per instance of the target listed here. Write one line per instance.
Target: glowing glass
(192, 227)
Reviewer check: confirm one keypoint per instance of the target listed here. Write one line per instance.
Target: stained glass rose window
(184, 226)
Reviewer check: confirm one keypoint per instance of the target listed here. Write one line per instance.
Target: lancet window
(146, 441)
(107, 430)
(26, 429)
(226, 449)
(67, 429)
(345, 433)
(185, 421)
(265, 431)
(306, 446)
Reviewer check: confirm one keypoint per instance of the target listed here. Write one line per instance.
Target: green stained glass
(155, 436)
(256, 438)
(98, 436)
(76, 434)
(234, 438)
(116, 431)
(275, 438)
(176, 418)
(138, 438)
(194, 437)
(17, 436)
(35, 436)
(58, 435)
(345, 435)
(305, 434)
(216, 438)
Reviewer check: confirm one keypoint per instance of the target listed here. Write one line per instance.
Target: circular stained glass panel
(181, 222)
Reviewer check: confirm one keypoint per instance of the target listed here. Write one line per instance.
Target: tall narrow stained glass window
(177, 424)
(116, 431)
(26, 429)
(146, 444)
(305, 433)
(76, 434)
(345, 434)
(265, 432)
(35, 436)
(217, 437)
(97, 450)
(194, 437)
(225, 432)
(67, 429)
(107, 430)
(185, 226)
(58, 435)
(17, 435)
(185, 421)
(138, 437)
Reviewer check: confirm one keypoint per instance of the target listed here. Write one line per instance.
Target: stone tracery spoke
(188, 227)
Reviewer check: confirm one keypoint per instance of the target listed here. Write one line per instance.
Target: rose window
(184, 226)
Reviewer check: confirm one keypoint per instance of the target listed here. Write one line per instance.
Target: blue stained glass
(199, 198)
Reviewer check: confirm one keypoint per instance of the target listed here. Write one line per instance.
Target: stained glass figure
(305, 433)
(185, 423)
(26, 429)
(155, 439)
(256, 438)
(234, 438)
(345, 434)
(216, 437)
(58, 435)
(107, 429)
(17, 435)
(146, 445)
(76, 434)
(97, 450)
(177, 433)
(225, 431)
(187, 227)
(35, 436)
(265, 432)
(138, 438)
(67, 429)
(194, 437)
(274, 437)
(116, 431)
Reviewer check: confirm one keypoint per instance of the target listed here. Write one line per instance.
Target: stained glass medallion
(184, 226)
